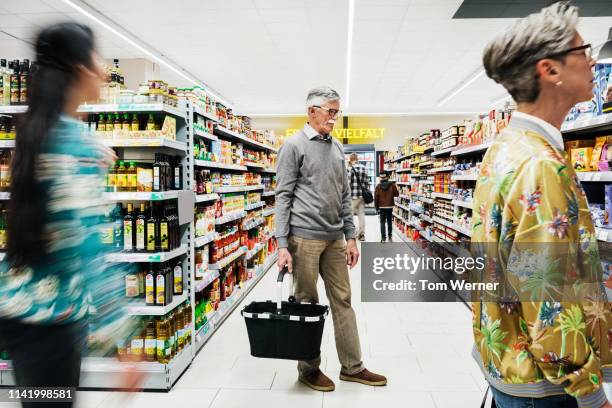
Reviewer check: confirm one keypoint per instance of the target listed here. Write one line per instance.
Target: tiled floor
(424, 349)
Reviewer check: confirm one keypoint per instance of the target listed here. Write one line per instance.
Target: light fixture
(462, 86)
(605, 52)
(349, 51)
(95, 16)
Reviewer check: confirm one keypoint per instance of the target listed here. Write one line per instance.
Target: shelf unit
(237, 189)
(230, 134)
(215, 165)
(135, 257)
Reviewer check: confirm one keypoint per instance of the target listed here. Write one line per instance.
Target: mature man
(358, 179)
(313, 219)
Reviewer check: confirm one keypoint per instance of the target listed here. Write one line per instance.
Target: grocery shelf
(146, 142)
(253, 223)
(230, 134)
(203, 134)
(132, 107)
(215, 165)
(401, 236)
(268, 170)
(427, 182)
(442, 195)
(255, 165)
(141, 196)
(471, 149)
(230, 217)
(406, 170)
(464, 178)
(595, 176)
(402, 207)
(443, 151)
(138, 308)
(216, 318)
(466, 204)
(255, 206)
(238, 189)
(603, 234)
(200, 111)
(228, 259)
(205, 239)
(452, 225)
(424, 236)
(268, 211)
(132, 257)
(426, 200)
(426, 218)
(441, 169)
(5, 195)
(10, 109)
(250, 254)
(7, 143)
(400, 218)
(403, 183)
(267, 193)
(201, 198)
(407, 197)
(589, 123)
(209, 277)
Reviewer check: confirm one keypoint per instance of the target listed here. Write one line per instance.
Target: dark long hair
(59, 49)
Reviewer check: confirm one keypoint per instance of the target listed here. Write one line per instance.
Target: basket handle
(279, 285)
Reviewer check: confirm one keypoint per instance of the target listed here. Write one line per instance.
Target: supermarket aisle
(424, 349)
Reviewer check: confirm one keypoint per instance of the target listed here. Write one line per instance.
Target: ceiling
(264, 55)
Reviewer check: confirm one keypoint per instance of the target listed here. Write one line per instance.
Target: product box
(608, 206)
(581, 158)
(603, 80)
(144, 179)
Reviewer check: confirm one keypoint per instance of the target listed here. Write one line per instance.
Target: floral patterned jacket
(528, 193)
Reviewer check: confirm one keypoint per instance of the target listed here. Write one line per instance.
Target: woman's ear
(549, 71)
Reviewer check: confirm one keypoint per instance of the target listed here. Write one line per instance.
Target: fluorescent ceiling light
(98, 18)
(461, 87)
(349, 51)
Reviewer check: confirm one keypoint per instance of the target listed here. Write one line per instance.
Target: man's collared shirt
(311, 133)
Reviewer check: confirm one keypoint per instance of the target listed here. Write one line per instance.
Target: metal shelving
(595, 176)
(230, 134)
(238, 189)
(471, 149)
(133, 107)
(136, 257)
(146, 142)
(215, 165)
(202, 198)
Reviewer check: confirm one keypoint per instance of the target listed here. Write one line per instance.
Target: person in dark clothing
(384, 199)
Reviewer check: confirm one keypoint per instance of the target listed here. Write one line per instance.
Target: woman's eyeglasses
(588, 51)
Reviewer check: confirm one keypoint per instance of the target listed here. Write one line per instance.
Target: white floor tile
(376, 399)
(210, 377)
(458, 399)
(174, 398)
(266, 399)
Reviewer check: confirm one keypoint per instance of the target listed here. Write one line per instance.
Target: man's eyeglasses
(588, 51)
(331, 112)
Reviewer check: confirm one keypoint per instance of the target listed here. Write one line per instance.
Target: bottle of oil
(128, 229)
(135, 124)
(141, 237)
(137, 346)
(187, 311)
(180, 329)
(164, 241)
(2, 69)
(110, 125)
(172, 331)
(15, 83)
(24, 78)
(121, 177)
(151, 232)
(150, 341)
(178, 278)
(117, 122)
(150, 122)
(150, 287)
(157, 168)
(101, 126)
(160, 287)
(125, 124)
(163, 340)
(132, 178)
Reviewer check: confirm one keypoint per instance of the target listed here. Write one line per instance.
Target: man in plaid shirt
(357, 173)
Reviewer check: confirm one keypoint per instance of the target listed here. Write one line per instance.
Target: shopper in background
(384, 200)
(313, 220)
(359, 180)
(53, 258)
(541, 353)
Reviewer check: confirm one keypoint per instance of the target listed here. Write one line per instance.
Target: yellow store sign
(351, 133)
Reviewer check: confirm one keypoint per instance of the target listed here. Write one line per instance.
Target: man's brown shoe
(318, 381)
(365, 377)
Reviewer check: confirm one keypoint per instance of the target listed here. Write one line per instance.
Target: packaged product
(608, 206)
(144, 179)
(598, 214)
(581, 158)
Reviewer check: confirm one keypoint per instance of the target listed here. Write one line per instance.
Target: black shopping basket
(287, 330)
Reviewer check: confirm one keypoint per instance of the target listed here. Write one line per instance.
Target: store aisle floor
(424, 349)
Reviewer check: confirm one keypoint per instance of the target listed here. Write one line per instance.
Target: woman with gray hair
(537, 353)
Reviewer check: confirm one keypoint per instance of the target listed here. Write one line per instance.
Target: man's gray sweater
(313, 196)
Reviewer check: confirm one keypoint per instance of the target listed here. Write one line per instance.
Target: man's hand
(352, 253)
(284, 259)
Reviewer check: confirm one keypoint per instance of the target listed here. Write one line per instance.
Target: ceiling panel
(264, 55)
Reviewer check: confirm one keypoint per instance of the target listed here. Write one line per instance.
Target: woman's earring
(559, 83)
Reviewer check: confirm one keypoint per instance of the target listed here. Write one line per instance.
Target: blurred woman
(535, 352)
(54, 252)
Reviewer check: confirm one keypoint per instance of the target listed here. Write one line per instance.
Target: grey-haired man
(313, 219)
